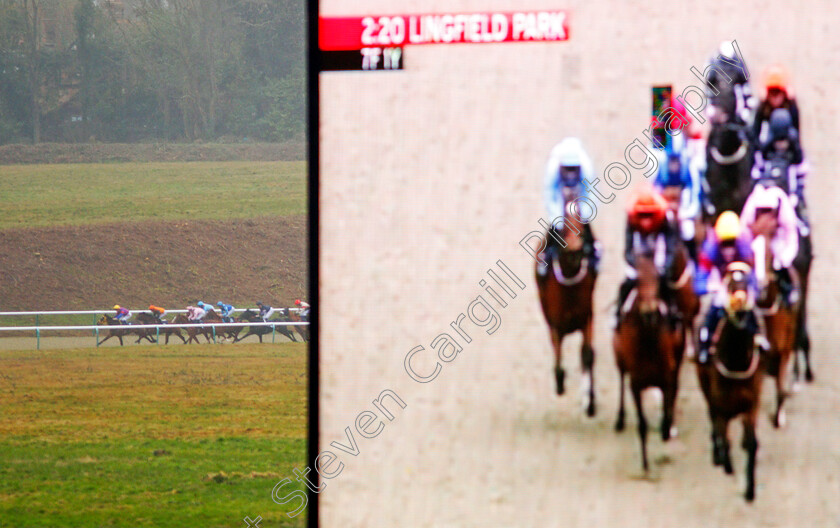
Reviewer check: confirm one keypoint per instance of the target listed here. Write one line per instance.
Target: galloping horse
(780, 323)
(249, 316)
(731, 381)
(193, 330)
(566, 299)
(118, 331)
(680, 280)
(729, 159)
(649, 350)
(302, 330)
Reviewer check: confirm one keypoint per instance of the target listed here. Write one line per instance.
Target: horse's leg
(121, 339)
(750, 445)
(559, 373)
(619, 422)
(669, 401)
(779, 418)
(107, 338)
(637, 399)
(722, 457)
(587, 356)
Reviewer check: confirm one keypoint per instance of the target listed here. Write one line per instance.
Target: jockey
(266, 311)
(690, 142)
(740, 272)
(304, 309)
(783, 151)
(729, 62)
(568, 166)
(721, 250)
(648, 231)
(769, 210)
(157, 312)
(679, 184)
(227, 311)
(195, 313)
(122, 314)
(777, 94)
(204, 306)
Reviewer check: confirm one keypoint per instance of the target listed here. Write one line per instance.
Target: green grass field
(48, 195)
(150, 436)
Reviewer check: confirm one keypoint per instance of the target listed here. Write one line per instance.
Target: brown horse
(731, 381)
(224, 332)
(648, 350)
(302, 330)
(193, 330)
(681, 281)
(146, 318)
(566, 298)
(780, 324)
(116, 329)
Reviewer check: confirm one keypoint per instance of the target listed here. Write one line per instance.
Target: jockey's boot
(591, 249)
(547, 256)
(623, 291)
(788, 289)
(707, 332)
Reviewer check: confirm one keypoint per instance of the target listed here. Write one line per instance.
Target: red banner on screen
(353, 33)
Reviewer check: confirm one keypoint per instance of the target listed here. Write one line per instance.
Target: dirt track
(414, 216)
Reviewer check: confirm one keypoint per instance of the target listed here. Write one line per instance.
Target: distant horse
(145, 318)
(224, 332)
(250, 316)
(193, 330)
(116, 329)
(729, 159)
(780, 323)
(648, 350)
(302, 330)
(566, 299)
(731, 382)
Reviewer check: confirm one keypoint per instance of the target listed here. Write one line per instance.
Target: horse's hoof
(590, 410)
(673, 431)
(560, 378)
(619, 425)
(809, 376)
(727, 467)
(750, 495)
(780, 420)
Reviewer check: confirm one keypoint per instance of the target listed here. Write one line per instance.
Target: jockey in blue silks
(678, 181)
(568, 165)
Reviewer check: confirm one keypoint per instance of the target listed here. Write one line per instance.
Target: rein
(687, 273)
(562, 279)
(731, 159)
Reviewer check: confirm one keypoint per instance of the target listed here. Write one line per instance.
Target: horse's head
(737, 281)
(103, 320)
(647, 284)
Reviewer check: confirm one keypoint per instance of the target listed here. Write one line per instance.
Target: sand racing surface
(431, 175)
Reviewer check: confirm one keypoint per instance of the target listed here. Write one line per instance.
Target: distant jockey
(204, 306)
(304, 309)
(567, 168)
(729, 75)
(722, 248)
(648, 232)
(781, 161)
(777, 94)
(266, 311)
(157, 312)
(195, 313)
(689, 142)
(123, 314)
(768, 210)
(679, 183)
(227, 311)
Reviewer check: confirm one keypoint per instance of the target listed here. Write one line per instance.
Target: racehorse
(250, 316)
(119, 331)
(729, 159)
(648, 350)
(731, 381)
(302, 330)
(193, 329)
(777, 174)
(225, 332)
(145, 318)
(680, 280)
(780, 324)
(566, 298)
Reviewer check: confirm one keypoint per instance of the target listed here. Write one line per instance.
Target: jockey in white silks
(568, 165)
